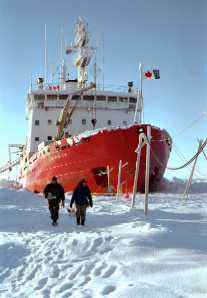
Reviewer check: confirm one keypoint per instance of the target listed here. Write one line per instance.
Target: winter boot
(78, 221)
(54, 223)
(82, 222)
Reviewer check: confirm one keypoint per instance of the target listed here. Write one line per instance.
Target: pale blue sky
(170, 35)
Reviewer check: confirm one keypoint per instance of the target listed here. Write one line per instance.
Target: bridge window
(124, 122)
(123, 99)
(37, 122)
(112, 98)
(132, 107)
(101, 97)
(49, 121)
(109, 122)
(40, 105)
(76, 97)
(133, 99)
(37, 139)
(52, 97)
(84, 121)
(88, 97)
(39, 97)
(63, 96)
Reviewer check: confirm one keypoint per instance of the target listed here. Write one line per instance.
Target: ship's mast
(84, 51)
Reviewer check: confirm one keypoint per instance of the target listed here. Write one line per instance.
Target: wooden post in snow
(119, 180)
(108, 176)
(147, 170)
(138, 151)
(188, 184)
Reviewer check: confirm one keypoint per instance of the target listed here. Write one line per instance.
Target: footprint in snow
(87, 269)
(95, 244)
(108, 289)
(74, 242)
(63, 287)
(109, 271)
(98, 270)
(54, 273)
(75, 273)
(33, 273)
(59, 255)
(85, 281)
(65, 266)
(41, 283)
(67, 294)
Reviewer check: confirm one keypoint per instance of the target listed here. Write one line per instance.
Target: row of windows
(37, 122)
(49, 138)
(85, 97)
(37, 139)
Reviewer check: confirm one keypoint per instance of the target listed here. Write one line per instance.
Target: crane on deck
(65, 115)
(12, 163)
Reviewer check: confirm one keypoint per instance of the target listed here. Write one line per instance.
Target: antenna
(94, 73)
(45, 54)
(61, 43)
(103, 60)
(31, 78)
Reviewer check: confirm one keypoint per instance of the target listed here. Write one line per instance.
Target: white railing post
(147, 170)
(119, 180)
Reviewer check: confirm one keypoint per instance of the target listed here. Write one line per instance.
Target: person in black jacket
(55, 194)
(82, 198)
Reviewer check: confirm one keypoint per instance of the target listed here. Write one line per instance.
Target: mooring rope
(192, 159)
(186, 163)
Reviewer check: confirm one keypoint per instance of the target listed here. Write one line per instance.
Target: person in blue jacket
(82, 199)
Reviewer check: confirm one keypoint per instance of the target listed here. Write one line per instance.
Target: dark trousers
(80, 213)
(53, 206)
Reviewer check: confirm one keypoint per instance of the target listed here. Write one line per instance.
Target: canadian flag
(152, 74)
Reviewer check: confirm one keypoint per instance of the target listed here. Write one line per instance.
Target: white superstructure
(108, 108)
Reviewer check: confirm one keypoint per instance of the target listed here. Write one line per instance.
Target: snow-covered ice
(119, 253)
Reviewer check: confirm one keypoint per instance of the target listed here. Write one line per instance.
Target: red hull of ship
(90, 157)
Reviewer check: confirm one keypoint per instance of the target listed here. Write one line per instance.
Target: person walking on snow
(55, 194)
(82, 199)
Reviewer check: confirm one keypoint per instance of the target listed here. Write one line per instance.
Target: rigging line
(179, 153)
(191, 124)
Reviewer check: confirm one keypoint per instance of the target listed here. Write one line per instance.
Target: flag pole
(45, 54)
(141, 76)
(139, 98)
(141, 90)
